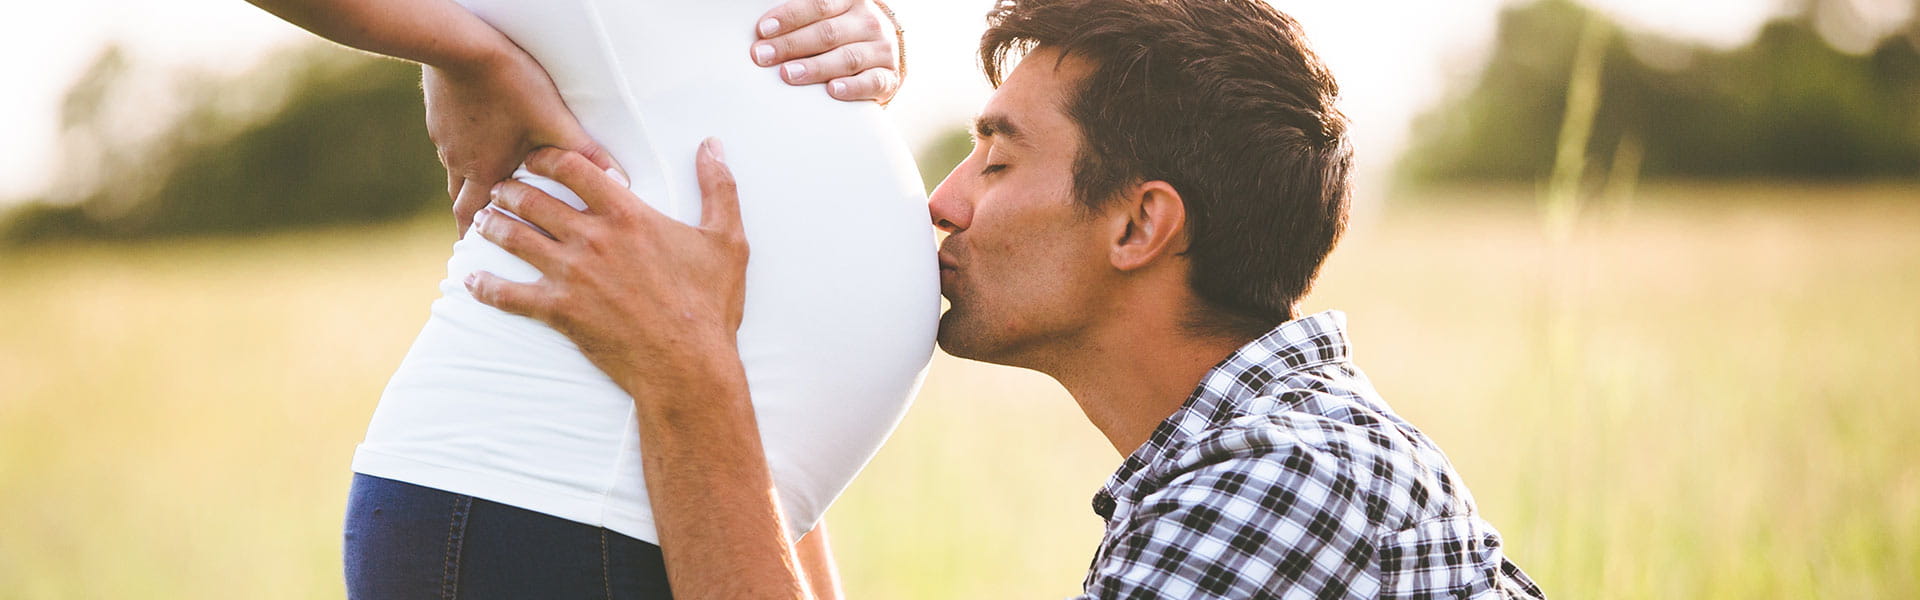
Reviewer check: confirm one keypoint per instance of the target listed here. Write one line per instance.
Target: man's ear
(1150, 223)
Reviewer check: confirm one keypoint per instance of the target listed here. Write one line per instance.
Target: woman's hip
(408, 541)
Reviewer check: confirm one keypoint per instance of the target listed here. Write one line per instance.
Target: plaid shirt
(1285, 475)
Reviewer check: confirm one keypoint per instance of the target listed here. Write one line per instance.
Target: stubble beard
(952, 336)
(962, 335)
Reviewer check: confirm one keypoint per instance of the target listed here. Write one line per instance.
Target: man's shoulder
(1353, 457)
(1330, 421)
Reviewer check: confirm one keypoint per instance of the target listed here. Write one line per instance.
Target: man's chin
(944, 336)
(953, 337)
(961, 337)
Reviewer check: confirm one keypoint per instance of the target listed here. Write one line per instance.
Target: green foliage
(344, 142)
(1786, 104)
(338, 138)
(940, 156)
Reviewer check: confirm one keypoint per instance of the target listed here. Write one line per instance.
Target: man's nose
(948, 204)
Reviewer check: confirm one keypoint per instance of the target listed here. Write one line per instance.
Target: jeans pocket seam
(456, 530)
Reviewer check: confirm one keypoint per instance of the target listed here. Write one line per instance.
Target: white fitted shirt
(842, 288)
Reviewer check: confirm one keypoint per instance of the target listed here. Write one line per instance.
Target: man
(1153, 189)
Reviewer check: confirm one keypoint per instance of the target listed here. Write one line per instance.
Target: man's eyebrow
(987, 126)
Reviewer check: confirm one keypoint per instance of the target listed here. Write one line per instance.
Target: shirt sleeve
(1242, 515)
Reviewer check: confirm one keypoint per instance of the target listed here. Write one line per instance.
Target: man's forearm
(815, 554)
(433, 32)
(714, 505)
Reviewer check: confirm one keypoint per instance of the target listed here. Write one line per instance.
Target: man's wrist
(695, 379)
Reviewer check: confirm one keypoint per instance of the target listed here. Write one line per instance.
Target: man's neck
(1133, 375)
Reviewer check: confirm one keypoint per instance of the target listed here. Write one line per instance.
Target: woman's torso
(842, 290)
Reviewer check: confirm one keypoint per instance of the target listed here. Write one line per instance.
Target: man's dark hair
(1223, 100)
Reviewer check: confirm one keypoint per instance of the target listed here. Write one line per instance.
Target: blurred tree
(940, 156)
(1787, 104)
(313, 136)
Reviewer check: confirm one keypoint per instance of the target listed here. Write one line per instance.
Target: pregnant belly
(842, 288)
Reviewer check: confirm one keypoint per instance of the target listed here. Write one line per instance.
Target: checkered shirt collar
(1249, 372)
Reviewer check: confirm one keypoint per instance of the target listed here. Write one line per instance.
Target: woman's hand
(848, 44)
(486, 116)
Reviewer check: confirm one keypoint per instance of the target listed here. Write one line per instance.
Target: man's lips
(949, 272)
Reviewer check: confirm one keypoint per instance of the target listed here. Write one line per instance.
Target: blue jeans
(405, 541)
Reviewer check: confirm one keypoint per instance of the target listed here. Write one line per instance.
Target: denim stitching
(456, 528)
(606, 571)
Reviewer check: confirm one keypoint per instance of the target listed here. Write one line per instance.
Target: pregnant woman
(500, 462)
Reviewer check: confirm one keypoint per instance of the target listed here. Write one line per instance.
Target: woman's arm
(854, 43)
(439, 33)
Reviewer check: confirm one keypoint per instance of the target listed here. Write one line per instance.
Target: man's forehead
(1031, 103)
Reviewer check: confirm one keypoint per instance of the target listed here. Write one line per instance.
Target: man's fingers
(602, 191)
(799, 13)
(719, 196)
(599, 156)
(878, 84)
(818, 38)
(548, 214)
(518, 239)
(524, 299)
(453, 185)
(838, 62)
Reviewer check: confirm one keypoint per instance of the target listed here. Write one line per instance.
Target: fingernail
(839, 89)
(494, 192)
(713, 147)
(768, 26)
(618, 177)
(763, 54)
(795, 70)
(472, 277)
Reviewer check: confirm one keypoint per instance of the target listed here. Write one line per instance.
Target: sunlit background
(1649, 271)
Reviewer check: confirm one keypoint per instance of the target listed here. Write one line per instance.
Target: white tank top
(842, 289)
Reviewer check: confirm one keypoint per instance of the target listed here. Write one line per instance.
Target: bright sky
(1391, 57)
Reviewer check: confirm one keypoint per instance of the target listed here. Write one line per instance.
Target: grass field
(1709, 393)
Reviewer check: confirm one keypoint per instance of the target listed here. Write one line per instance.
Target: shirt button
(1103, 505)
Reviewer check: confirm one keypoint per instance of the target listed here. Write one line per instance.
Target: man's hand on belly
(625, 282)
(657, 305)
